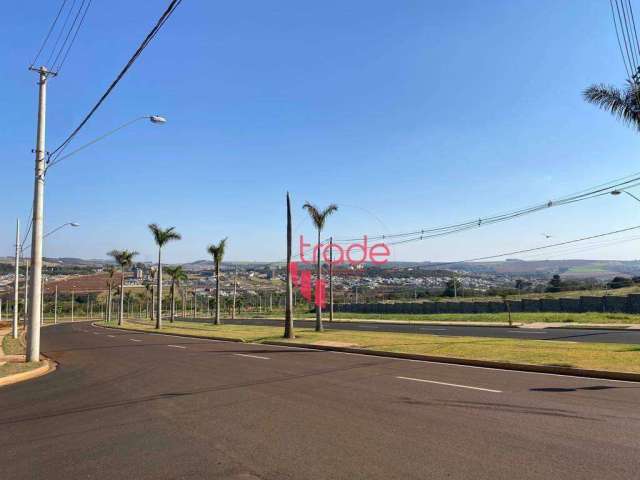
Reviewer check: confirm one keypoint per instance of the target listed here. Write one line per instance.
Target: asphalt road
(566, 334)
(144, 406)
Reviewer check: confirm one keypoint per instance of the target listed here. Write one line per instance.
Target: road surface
(566, 334)
(145, 406)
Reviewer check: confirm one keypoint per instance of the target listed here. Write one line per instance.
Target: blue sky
(407, 114)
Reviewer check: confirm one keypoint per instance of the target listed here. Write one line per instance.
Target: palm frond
(162, 236)
(319, 217)
(623, 104)
(217, 251)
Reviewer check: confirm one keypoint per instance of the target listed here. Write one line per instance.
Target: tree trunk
(159, 309)
(318, 292)
(217, 321)
(121, 312)
(288, 317)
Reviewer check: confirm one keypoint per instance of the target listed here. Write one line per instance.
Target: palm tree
(288, 317)
(177, 275)
(111, 272)
(217, 252)
(319, 218)
(124, 258)
(162, 237)
(624, 104)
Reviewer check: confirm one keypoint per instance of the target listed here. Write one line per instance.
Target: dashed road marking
(134, 340)
(450, 384)
(176, 346)
(111, 336)
(251, 356)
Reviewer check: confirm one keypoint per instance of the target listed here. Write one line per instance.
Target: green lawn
(596, 356)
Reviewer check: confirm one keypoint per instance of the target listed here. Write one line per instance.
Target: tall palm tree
(288, 316)
(177, 275)
(111, 272)
(622, 103)
(124, 258)
(161, 237)
(217, 252)
(319, 218)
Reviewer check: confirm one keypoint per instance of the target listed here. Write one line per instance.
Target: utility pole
(33, 333)
(330, 279)
(72, 302)
(26, 294)
(42, 302)
(55, 306)
(16, 292)
(235, 291)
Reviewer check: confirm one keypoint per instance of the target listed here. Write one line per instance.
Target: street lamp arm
(632, 195)
(153, 118)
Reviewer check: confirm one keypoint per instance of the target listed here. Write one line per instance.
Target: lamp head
(616, 192)
(157, 119)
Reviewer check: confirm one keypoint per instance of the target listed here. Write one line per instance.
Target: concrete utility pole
(26, 294)
(33, 333)
(16, 293)
(73, 300)
(55, 306)
(235, 291)
(330, 279)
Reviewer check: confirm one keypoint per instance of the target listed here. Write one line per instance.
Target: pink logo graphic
(354, 254)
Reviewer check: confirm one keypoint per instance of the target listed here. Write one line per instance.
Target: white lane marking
(251, 356)
(134, 340)
(430, 328)
(450, 384)
(176, 346)
(530, 333)
(111, 336)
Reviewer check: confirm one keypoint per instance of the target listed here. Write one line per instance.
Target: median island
(589, 356)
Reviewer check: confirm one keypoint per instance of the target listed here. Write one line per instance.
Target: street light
(155, 119)
(33, 333)
(618, 192)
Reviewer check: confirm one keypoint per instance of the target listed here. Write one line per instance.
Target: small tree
(124, 258)
(177, 275)
(507, 306)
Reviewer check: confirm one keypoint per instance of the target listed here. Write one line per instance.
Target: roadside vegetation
(596, 356)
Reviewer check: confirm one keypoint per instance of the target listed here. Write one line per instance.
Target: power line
(73, 39)
(527, 250)
(46, 38)
(60, 33)
(630, 181)
(150, 36)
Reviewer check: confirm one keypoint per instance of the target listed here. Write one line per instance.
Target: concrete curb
(186, 335)
(48, 367)
(574, 372)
